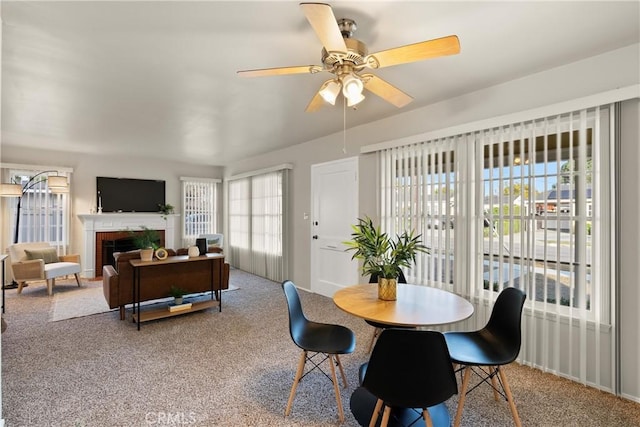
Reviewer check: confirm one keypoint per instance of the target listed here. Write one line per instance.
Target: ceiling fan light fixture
(351, 85)
(355, 99)
(330, 90)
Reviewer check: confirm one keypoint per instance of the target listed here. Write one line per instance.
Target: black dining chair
(323, 340)
(380, 326)
(408, 377)
(486, 351)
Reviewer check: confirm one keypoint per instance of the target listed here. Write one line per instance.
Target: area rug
(86, 301)
(79, 302)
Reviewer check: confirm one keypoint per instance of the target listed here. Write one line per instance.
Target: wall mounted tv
(129, 195)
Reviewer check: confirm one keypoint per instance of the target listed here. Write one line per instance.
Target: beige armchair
(40, 261)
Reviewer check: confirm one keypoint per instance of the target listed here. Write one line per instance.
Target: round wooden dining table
(415, 305)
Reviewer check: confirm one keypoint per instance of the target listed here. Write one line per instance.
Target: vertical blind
(525, 205)
(257, 214)
(44, 215)
(200, 208)
(418, 193)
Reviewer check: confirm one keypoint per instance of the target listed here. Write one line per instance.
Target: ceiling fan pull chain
(344, 125)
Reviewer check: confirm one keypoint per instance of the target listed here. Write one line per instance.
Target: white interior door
(334, 199)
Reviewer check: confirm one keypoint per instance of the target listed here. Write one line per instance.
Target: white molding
(602, 98)
(261, 171)
(35, 167)
(93, 223)
(195, 179)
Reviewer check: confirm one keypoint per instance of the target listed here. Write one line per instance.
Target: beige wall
(629, 234)
(87, 167)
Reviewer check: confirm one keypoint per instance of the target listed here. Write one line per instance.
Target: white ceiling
(121, 77)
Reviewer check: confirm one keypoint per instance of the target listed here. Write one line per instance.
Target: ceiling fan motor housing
(356, 52)
(347, 27)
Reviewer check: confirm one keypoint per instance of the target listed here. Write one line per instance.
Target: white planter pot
(146, 254)
(193, 251)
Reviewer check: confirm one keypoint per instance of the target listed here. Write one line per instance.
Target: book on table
(180, 307)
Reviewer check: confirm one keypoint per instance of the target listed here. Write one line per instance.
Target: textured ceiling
(129, 76)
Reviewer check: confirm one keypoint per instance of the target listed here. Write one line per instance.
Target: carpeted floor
(69, 302)
(229, 368)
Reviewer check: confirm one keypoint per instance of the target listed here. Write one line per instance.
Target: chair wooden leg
(344, 377)
(20, 286)
(385, 416)
(427, 418)
(494, 383)
(122, 312)
(78, 279)
(507, 391)
(463, 394)
(336, 388)
(376, 332)
(376, 411)
(301, 362)
(50, 284)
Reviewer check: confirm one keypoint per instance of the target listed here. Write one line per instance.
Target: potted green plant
(165, 210)
(147, 241)
(383, 256)
(177, 294)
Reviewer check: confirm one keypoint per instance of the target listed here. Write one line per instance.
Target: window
(200, 208)
(239, 215)
(44, 214)
(537, 197)
(257, 214)
(418, 192)
(266, 214)
(523, 205)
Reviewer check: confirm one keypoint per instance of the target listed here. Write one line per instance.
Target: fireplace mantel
(92, 223)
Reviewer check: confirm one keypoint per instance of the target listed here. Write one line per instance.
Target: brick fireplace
(112, 230)
(108, 242)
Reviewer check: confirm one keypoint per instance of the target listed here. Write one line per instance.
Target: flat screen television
(129, 195)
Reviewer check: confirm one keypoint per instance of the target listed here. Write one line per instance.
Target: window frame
(200, 199)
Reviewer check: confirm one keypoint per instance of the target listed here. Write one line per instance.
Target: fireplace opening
(107, 243)
(117, 245)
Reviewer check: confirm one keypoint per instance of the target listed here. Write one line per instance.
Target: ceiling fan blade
(316, 103)
(324, 23)
(449, 45)
(280, 71)
(386, 91)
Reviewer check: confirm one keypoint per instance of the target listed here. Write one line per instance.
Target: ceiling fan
(347, 58)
